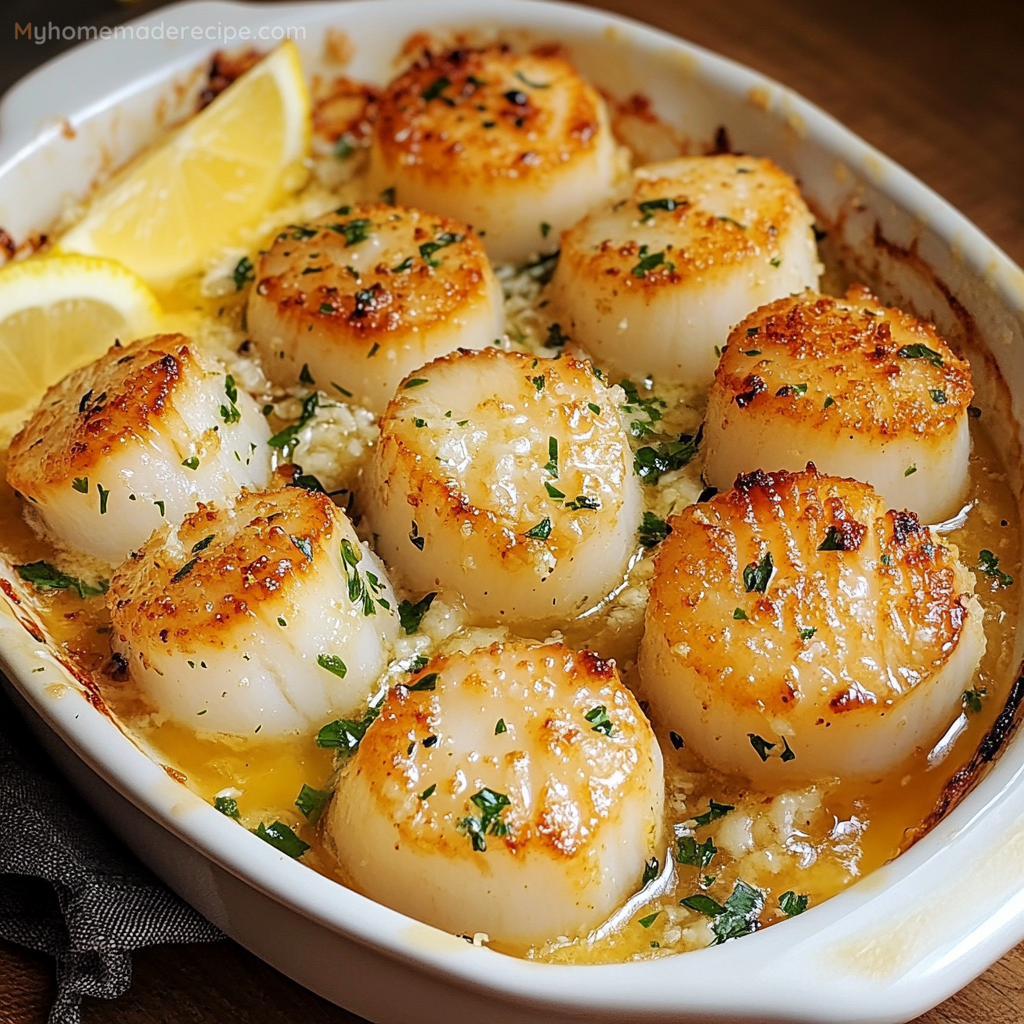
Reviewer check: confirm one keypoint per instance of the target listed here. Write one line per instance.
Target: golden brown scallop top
(508, 442)
(850, 364)
(686, 218)
(221, 568)
(472, 115)
(101, 408)
(562, 776)
(371, 270)
(794, 585)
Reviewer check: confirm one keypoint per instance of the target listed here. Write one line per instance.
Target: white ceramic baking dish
(886, 950)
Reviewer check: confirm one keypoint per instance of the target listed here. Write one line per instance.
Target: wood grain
(936, 84)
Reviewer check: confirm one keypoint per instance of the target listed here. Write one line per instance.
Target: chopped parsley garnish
(403, 266)
(230, 414)
(327, 308)
(500, 727)
(583, 502)
(829, 400)
(653, 530)
(807, 632)
(160, 505)
(361, 591)
(649, 206)
(938, 396)
(281, 621)
(389, 196)
(734, 222)
(414, 383)
(80, 484)
(677, 740)
(192, 462)
(713, 813)
(436, 87)
(333, 664)
(297, 233)
(910, 470)
(427, 249)
(104, 494)
(354, 231)
(739, 613)
(202, 545)
(651, 868)
(970, 700)
(752, 352)
(652, 462)
(308, 482)
(760, 745)
(697, 855)
(553, 492)
(184, 570)
(541, 269)
(541, 531)
(545, 229)
(920, 352)
(791, 904)
(757, 575)
(44, 576)
(739, 916)
(425, 685)
(646, 922)
(599, 720)
(649, 262)
(833, 541)
(788, 390)
(345, 734)
(343, 148)
(417, 541)
(288, 438)
(311, 802)
(552, 464)
(411, 615)
(243, 273)
(988, 563)
(648, 407)
(533, 85)
(539, 381)
(305, 377)
(556, 337)
(594, 408)
(282, 838)
(489, 822)
(429, 791)
(227, 805)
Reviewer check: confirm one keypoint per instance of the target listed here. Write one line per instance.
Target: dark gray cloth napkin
(68, 887)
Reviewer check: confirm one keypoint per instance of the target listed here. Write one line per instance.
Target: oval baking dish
(888, 948)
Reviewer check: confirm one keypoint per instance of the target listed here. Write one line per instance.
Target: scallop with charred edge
(133, 440)
(858, 389)
(365, 295)
(509, 479)
(654, 281)
(518, 145)
(515, 790)
(266, 617)
(797, 630)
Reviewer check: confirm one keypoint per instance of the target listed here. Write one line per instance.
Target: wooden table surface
(936, 84)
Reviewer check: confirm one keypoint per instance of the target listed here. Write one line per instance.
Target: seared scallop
(856, 388)
(134, 440)
(797, 630)
(363, 296)
(652, 283)
(267, 616)
(515, 790)
(509, 479)
(518, 145)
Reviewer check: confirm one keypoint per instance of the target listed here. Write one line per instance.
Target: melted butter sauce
(814, 841)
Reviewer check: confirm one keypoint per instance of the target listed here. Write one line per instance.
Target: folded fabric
(68, 887)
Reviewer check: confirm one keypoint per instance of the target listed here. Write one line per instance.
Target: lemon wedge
(58, 313)
(173, 208)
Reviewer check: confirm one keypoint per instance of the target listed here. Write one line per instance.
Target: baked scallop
(652, 282)
(859, 389)
(263, 617)
(134, 440)
(797, 630)
(361, 297)
(514, 790)
(517, 145)
(509, 479)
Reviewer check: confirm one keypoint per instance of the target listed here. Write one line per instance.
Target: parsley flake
(653, 530)
(491, 806)
(227, 805)
(920, 352)
(757, 575)
(282, 838)
(333, 664)
(792, 905)
(311, 802)
(988, 563)
(411, 615)
(541, 531)
(599, 720)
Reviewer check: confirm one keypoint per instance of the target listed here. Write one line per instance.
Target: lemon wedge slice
(173, 208)
(58, 313)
